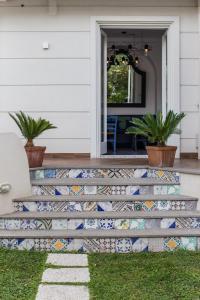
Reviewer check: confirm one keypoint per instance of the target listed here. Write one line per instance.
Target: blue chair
(112, 131)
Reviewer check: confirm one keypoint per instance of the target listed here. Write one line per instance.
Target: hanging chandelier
(129, 56)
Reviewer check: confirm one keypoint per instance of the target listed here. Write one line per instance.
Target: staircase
(103, 210)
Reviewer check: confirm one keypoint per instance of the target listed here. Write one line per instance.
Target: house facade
(52, 56)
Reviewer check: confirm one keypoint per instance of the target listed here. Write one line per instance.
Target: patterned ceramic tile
(168, 223)
(152, 223)
(189, 243)
(91, 224)
(164, 205)
(122, 224)
(118, 190)
(123, 245)
(9, 243)
(137, 224)
(62, 190)
(60, 244)
(106, 224)
(104, 206)
(30, 206)
(89, 206)
(164, 175)
(90, 190)
(132, 190)
(26, 244)
(140, 173)
(104, 190)
(122, 206)
(42, 244)
(59, 224)
(75, 224)
(38, 174)
(50, 173)
(149, 205)
(62, 173)
(172, 243)
(91, 246)
(188, 223)
(139, 244)
(12, 224)
(107, 245)
(2, 224)
(166, 189)
(76, 190)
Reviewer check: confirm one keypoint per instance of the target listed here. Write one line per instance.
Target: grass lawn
(145, 276)
(20, 274)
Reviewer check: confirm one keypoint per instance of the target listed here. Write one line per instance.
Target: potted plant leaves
(32, 128)
(157, 130)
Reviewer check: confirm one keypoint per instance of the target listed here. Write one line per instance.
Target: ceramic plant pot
(35, 156)
(161, 156)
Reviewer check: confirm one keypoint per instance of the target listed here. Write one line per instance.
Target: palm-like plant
(156, 129)
(30, 127)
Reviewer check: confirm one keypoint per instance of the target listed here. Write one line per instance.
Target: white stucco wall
(55, 83)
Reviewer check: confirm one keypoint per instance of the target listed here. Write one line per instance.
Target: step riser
(106, 190)
(99, 224)
(114, 245)
(104, 173)
(39, 206)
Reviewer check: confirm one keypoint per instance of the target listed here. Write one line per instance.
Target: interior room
(134, 84)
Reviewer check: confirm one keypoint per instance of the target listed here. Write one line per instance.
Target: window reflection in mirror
(126, 84)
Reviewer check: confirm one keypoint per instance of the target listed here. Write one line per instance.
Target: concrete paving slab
(63, 275)
(62, 292)
(68, 260)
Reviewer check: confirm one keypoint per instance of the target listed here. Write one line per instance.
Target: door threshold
(123, 156)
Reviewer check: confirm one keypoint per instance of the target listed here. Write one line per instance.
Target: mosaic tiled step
(106, 203)
(103, 186)
(109, 172)
(100, 220)
(114, 241)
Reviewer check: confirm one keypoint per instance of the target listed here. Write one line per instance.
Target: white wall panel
(189, 72)
(78, 18)
(45, 98)
(190, 125)
(69, 125)
(65, 145)
(189, 45)
(44, 71)
(61, 45)
(188, 146)
(189, 98)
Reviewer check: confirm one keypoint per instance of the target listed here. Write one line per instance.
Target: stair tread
(101, 181)
(105, 198)
(152, 233)
(103, 215)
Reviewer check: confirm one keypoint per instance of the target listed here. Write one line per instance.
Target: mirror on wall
(126, 83)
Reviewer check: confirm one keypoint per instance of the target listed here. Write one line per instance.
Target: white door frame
(173, 69)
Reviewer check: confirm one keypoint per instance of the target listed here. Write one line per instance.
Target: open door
(103, 147)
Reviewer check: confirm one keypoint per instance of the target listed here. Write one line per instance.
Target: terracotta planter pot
(35, 156)
(161, 156)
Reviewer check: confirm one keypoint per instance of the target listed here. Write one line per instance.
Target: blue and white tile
(42, 244)
(36, 190)
(26, 244)
(30, 206)
(13, 224)
(189, 243)
(75, 224)
(90, 190)
(139, 244)
(122, 224)
(164, 205)
(38, 174)
(50, 173)
(132, 190)
(104, 206)
(140, 173)
(62, 190)
(59, 224)
(107, 245)
(137, 224)
(44, 206)
(28, 224)
(91, 224)
(106, 224)
(168, 223)
(123, 245)
(2, 224)
(75, 173)
(9, 243)
(118, 190)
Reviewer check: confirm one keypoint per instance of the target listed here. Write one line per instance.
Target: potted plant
(157, 130)
(31, 128)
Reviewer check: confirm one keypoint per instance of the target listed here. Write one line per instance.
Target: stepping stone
(62, 292)
(63, 275)
(68, 260)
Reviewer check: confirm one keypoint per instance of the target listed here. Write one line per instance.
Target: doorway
(160, 88)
